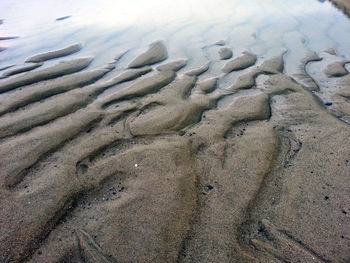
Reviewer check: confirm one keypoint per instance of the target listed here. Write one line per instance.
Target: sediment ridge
(143, 165)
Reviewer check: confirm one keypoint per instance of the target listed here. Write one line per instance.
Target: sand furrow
(21, 69)
(149, 166)
(302, 76)
(60, 69)
(42, 90)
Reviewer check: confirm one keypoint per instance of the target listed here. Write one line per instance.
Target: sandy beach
(152, 157)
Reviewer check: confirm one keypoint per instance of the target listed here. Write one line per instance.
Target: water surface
(108, 27)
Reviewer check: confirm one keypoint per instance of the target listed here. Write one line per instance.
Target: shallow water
(110, 27)
(190, 28)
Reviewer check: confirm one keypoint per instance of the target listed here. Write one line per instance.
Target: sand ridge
(142, 165)
(55, 54)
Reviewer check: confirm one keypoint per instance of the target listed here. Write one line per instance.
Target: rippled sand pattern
(152, 157)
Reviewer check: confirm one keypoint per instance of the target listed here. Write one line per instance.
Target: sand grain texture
(144, 165)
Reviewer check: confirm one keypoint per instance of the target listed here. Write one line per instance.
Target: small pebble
(210, 187)
(328, 104)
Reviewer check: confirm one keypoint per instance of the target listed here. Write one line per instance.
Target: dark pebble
(326, 197)
(328, 104)
(62, 18)
(182, 133)
(210, 187)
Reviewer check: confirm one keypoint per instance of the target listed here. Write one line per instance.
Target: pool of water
(109, 27)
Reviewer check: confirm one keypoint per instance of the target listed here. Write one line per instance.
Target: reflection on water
(109, 27)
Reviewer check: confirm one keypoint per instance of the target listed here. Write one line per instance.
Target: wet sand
(156, 172)
(343, 5)
(154, 157)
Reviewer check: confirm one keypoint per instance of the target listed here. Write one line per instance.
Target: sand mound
(156, 52)
(239, 63)
(336, 69)
(225, 53)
